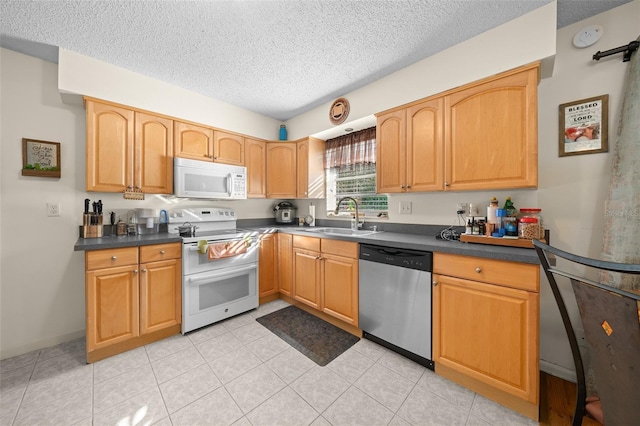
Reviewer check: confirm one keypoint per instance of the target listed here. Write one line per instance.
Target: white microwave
(203, 179)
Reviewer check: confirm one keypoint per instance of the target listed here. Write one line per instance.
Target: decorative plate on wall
(339, 111)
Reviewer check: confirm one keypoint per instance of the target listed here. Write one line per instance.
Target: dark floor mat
(318, 340)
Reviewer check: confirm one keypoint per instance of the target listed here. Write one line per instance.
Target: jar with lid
(491, 210)
(534, 213)
(528, 228)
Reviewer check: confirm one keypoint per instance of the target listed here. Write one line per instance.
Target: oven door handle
(217, 275)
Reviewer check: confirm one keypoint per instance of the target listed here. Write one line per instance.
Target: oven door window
(216, 288)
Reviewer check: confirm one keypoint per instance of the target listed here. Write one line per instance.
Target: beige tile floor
(234, 372)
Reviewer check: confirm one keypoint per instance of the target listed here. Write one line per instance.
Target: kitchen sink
(341, 231)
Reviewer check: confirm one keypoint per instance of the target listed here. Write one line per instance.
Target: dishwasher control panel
(405, 258)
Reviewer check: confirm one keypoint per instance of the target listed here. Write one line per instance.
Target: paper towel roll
(312, 213)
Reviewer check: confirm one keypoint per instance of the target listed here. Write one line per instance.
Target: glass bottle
(510, 208)
(491, 210)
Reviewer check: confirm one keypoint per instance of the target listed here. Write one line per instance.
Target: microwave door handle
(230, 184)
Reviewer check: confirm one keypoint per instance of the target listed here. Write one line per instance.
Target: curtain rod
(627, 49)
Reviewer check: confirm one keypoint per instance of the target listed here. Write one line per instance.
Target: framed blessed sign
(40, 158)
(583, 126)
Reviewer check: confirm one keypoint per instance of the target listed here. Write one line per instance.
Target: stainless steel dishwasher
(395, 300)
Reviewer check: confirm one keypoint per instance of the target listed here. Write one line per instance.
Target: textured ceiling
(278, 58)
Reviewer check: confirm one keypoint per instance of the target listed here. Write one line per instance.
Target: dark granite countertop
(415, 241)
(114, 241)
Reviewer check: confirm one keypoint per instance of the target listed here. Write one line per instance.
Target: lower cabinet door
(285, 264)
(268, 277)
(160, 295)
(306, 272)
(340, 287)
(112, 306)
(487, 332)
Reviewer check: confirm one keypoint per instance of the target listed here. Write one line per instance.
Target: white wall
(83, 75)
(41, 277)
(572, 190)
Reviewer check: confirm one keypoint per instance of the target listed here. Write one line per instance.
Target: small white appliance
(204, 179)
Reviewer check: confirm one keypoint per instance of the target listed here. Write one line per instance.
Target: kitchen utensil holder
(89, 230)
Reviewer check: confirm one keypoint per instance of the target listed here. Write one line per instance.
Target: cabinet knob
(215, 158)
(402, 186)
(161, 251)
(446, 184)
(113, 258)
(435, 283)
(135, 271)
(144, 270)
(478, 269)
(408, 186)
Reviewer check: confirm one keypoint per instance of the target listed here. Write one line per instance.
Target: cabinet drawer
(99, 259)
(340, 248)
(308, 243)
(510, 274)
(160, 252)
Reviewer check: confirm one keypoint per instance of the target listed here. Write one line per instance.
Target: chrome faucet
(355, 223)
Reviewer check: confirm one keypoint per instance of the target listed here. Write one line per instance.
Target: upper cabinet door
(492, 135)
(310, 170)
(228, 148)
(391, 152)
(192, 141)
(425, 146)
(256, 163)
(110, 135)
(281, 170)
(153, 154)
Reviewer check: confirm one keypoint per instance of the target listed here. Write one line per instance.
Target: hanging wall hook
(627, 49)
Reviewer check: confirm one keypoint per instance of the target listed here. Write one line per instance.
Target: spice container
(529, 228)
(535, 213)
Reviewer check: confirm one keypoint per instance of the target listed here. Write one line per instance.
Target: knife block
(91, 231)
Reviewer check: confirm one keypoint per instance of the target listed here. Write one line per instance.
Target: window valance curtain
(346, 151)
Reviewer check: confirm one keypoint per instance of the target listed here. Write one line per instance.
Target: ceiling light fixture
(348, 129)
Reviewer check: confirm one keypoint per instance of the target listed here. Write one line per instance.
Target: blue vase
(283, 132)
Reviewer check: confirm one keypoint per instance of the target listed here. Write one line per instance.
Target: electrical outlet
(53, 209)
(405, 207)
(461, 208)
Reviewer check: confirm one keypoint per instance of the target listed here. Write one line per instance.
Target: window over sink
(350, 171)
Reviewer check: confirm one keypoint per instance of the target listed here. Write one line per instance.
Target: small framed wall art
(40, 158)
(583, 126)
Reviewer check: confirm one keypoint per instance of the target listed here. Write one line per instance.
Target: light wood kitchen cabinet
(228, 148)
(268, 267)
(160, 287)
(485, 328)
(281, 170)
(306, 270)
(310, 168)
(410, 148)
(339, 279)
(110, 145)
(479, 136)
(256, 162)
(491, 133)
(153, 154)
(285, 264)
(193, 141)
(326, 276)
(127, 148)
(133, 297)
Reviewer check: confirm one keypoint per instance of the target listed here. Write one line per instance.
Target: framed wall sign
(40, 158)
(583, 126)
